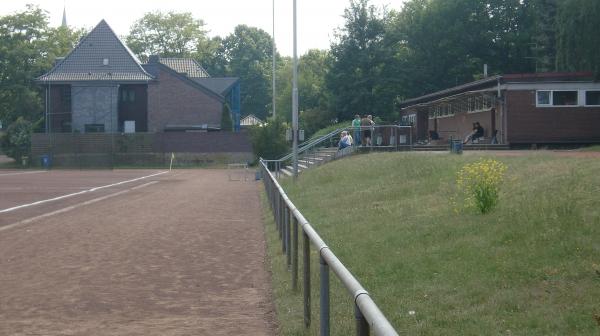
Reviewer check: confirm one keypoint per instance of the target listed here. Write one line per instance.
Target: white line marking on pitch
(79, 193)
(29, 172)
(69, 208)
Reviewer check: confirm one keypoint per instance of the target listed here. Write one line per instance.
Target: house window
(592, 98)
(127, 96)
(65, 97)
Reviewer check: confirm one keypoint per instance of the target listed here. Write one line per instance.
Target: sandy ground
(182, 253)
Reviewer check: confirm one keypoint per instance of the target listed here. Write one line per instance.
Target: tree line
(377, 58)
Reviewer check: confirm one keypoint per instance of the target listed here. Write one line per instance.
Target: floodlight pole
(295, 103)
(274, 50)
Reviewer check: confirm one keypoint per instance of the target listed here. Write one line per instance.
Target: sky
(317, 19)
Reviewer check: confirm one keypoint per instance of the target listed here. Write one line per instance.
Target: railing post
(271, 185)
(324, 297)
(362, 326)
(281, 207)
(288, 238)
(276, 203)
(295, 254)
(306, 277)
(284, 226)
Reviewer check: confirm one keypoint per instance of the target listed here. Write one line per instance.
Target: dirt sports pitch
(132, 252)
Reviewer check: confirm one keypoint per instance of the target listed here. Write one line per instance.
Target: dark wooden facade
(133, 105)
(59, 108)
(510, 109)
(527, 123)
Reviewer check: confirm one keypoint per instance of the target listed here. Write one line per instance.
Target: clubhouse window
(557, 98)
(592, 98)
(564, 98)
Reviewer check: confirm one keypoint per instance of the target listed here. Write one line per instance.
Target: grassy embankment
(530, 267)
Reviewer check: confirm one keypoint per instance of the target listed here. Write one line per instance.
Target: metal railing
(287, 221)
(383, 137)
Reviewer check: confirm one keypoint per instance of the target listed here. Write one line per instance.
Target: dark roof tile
(86, 61)
(186, 66)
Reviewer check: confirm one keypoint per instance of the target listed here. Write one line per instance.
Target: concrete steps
(310, 160)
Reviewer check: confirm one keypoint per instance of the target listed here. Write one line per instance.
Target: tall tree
(356, 69)
(312, 89)
(578, 41)
(247, 55)
(543, 40)
(167, 34)
(28, 48)
(445, 43)
(210, 53)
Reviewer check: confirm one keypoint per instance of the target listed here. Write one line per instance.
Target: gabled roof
(220, 85)
(86, 61)
(153, 67)
(186, 66)
(192, 70)
(250, 119)
(454, 90)
(545, 77)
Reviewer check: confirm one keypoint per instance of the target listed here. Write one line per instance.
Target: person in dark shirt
(477, 133)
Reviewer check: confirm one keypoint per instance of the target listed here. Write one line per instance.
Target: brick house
(101, 86)
(541, 108)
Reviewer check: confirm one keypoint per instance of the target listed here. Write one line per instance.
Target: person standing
(356, 126)
(367, 128)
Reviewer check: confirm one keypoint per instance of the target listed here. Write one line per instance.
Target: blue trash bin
(46, 161)
(456, 147)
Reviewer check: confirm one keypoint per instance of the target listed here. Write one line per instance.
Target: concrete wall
(175, 101)
(94, 104)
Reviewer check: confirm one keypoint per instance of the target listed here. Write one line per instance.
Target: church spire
(64, 19)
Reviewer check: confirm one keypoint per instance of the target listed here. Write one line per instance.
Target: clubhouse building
(540, 108)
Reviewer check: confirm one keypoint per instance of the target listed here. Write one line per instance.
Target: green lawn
(530, 267)
(594, 148)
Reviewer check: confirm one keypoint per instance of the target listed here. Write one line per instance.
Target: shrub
(226, 121)
(268, 140)
(478, 184)
(312, 120)
(16, 143)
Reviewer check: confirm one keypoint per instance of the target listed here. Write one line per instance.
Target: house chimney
(153, 59)
(485, 72)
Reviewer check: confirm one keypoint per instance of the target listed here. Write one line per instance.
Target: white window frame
(551, 104)
(537, 98)
(412, 118)
(478, 104)
(585, 97)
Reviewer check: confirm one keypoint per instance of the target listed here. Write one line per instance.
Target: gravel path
(182, 256)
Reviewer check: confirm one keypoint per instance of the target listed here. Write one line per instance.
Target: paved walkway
(181, 256)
